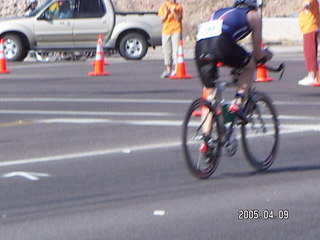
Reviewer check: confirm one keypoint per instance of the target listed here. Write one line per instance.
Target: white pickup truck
(70, 25)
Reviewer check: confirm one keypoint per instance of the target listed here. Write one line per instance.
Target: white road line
(296, 117)
(75, 120)
(117, 121)
(85, 113)
(172, 123)
(141, 114)
(296, 103)
(134, 100)
(95, 100)
(286, 129)
(159, 212)
(301, 127)
(88, 154)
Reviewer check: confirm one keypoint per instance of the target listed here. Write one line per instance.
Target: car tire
(14, 48)
(133, 46)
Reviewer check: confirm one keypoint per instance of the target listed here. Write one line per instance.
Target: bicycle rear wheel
(260, 136)
(202, 165)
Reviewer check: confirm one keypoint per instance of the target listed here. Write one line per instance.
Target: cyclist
(217, 42)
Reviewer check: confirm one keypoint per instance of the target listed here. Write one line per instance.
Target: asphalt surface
(100, 158)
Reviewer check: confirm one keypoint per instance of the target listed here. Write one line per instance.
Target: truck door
(94, 17)
(53, 29)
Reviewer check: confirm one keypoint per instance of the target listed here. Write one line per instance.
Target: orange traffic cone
(181, 72)
(262, 74)
(98, 66)
(103, 56)
(205, 94)
(3, 65)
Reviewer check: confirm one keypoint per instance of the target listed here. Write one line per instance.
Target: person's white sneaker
(307, 81)
(165, 74)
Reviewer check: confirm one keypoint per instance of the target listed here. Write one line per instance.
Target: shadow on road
(272, 171)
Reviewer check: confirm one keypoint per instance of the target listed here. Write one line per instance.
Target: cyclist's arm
(255, 22)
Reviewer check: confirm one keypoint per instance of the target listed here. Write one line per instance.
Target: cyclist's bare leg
(245, 81)
(206, 127)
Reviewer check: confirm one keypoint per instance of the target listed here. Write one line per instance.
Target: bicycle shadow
(272, 171)
(311, 95)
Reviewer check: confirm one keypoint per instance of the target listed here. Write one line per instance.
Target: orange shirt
(170, 24)
(309, 19)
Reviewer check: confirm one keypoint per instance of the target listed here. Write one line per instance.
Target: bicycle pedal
(206, 157)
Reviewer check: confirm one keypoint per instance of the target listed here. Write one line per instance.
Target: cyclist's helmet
(250, 3)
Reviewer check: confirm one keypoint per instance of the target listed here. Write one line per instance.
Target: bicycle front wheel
(260, 136)
(201, 116)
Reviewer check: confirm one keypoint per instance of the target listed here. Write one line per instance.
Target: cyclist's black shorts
(222, 49)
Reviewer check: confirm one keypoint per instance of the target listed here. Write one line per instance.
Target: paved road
(99, 158)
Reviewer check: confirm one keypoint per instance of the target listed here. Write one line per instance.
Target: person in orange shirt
(170, 13)
(309, 20)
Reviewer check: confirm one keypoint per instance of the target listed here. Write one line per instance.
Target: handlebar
(236, 71)
(262, 62)
(280, 68)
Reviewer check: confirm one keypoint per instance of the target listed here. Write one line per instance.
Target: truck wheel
(13, 48)
(133, 46)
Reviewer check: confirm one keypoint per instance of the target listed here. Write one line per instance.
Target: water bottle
(228, 116)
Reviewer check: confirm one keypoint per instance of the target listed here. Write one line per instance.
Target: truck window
(60, 10)
(91, 9)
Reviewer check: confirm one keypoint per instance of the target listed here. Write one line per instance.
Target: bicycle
(258, 121)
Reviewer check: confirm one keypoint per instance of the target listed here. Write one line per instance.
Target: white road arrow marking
(28, 175)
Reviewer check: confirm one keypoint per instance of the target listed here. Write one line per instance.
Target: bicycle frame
(217, 96)
(218, 99)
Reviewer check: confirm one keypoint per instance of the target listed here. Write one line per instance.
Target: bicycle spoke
(260, 135)
(201, 164)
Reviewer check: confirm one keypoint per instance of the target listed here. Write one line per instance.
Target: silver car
(69, 25)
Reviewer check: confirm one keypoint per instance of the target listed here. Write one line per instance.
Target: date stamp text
(256, 214)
